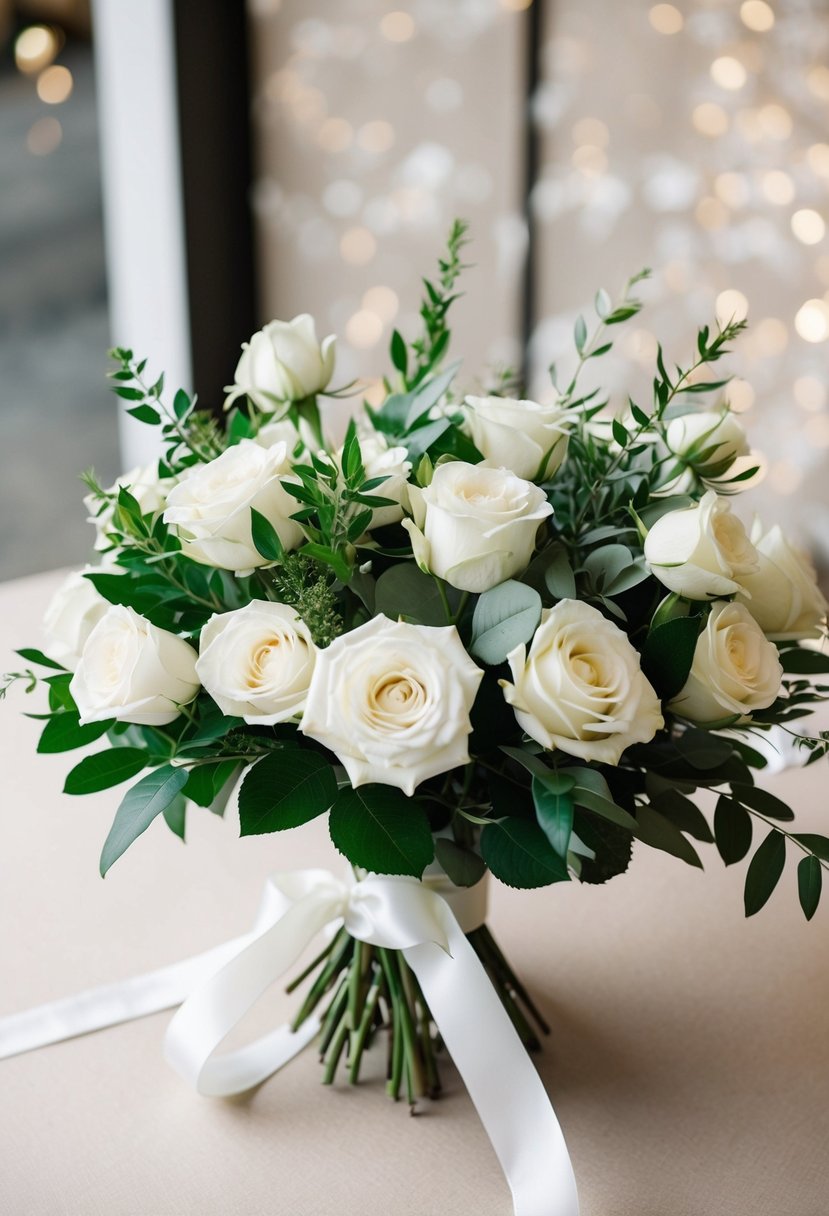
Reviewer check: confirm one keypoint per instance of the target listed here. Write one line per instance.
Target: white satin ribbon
(395, 913)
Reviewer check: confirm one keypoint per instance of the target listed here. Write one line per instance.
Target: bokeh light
(666, 19)
(35, 48)
(54, 84)
(812, 321)
(757, 15)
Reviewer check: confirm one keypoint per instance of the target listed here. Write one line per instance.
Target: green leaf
(37, 656)
(804, 662)
(286, 789)
(206, 781)
(64, 732)
(819, 845)
(404, 590)
(145, 413)
(764, 871)
(381, 830)
(683, 813)
(668, 654)
(655, 830)
(399, 354)
(620, 432)
(809, 883)
(175, 815)
(139, 807)
(265, 537)
(732, 830)
(462, 866)
(504, 617)
(105, 769)
(762, 801)
(559, 577)
(181, 403)
(554, 811)
(580, 334)
(429, 393)
(520, 855)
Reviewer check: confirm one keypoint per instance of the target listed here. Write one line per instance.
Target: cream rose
(581, 689)
(256, 662)
(283, 362)
(701, 552)
(708, 446)
(392, 701)
(133, 671)
(785, 599)
(71, 614)
(735, 669)
(147, 488)
(528, 438)
(296, 439)
(210, 507)
(475, 526)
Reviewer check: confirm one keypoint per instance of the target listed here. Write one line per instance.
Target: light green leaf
(504, 617)
(139, 807)
(554, 811)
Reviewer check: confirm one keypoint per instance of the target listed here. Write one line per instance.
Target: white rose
(133, 671)
(284, 431)
(147, 488)
(71, 614)
(475, 526)
(393, 464)
(529, 438)
(701, 552)
(256, 662)
(735, 669)
(581, 688)
(210, 507)
(708, 446)
(392, 701)
(785, 599)
(283, 362)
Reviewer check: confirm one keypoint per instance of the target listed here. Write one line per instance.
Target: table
(689, 1063)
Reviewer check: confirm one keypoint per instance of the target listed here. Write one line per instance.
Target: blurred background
(264, 159)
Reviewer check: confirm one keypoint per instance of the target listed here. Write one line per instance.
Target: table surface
(688, 1064)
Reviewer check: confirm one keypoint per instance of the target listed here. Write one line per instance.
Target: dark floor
(57, 415)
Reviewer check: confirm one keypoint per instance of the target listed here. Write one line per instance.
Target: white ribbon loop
(395, 913)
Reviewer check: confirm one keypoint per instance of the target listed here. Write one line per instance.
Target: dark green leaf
(764, 871)
(286, 789)
(809, 883)
(819, 845)
(658, 832)
(139, 807)
(181, 403)
(559, 577)
(462, 866)
(381, 830)
(145, 413)
(206, 781)
(105, 769)
(762, 801)
(684, 814)
(668, 654)
(265, 537)
(399, 354)
(732, 830)
(520, 855)
(554, 811)
(804, 662)
(64, 732)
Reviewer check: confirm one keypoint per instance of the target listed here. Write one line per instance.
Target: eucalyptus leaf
(462, 866)
(504, 617)
(405, 591)
(554, 811)
(139, 807)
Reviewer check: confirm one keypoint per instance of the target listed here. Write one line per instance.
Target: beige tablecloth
(689, 1063)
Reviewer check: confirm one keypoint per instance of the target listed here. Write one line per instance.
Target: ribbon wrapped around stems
(217, 988)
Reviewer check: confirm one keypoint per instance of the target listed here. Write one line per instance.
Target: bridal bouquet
(481, 635)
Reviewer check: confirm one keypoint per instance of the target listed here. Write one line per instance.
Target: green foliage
(285, 790)
(105, 769)
(463, 867)
(139, 807)
(519, 854)
(380, 830)
(504, 617)
(300, 582)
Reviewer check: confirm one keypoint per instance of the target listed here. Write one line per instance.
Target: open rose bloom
(480, 634)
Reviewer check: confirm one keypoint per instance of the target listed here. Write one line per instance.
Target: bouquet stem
(363, 992)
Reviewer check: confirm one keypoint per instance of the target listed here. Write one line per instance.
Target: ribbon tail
(498, 1074)
(213, 1009)
(110, 1004)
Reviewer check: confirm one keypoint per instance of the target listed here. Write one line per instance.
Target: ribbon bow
(217, 988)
